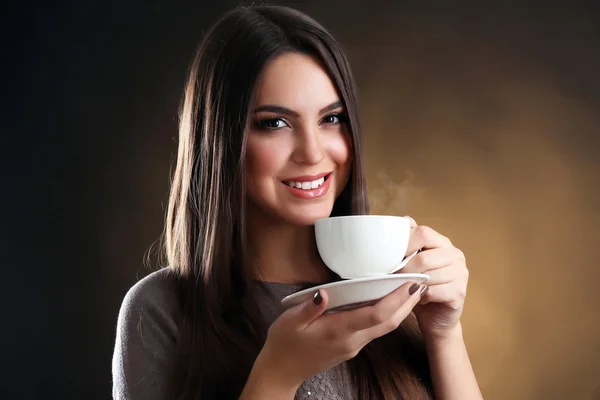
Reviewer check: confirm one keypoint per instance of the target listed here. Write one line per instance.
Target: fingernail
(424, 290)
(317, 298)
(413, 289)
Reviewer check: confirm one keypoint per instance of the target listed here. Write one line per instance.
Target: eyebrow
(287, 111)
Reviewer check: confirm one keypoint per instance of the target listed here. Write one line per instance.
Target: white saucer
(354, 293)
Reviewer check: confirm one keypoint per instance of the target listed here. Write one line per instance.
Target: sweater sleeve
(145, 346)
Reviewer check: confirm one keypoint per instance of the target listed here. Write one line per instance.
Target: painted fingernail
(317, 298)
(424, 290)
(413, 289)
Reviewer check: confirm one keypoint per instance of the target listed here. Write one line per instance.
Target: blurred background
(481, 120)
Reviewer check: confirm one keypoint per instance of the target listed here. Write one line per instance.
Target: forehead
(296, 81)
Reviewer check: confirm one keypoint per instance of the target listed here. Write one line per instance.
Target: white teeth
(306, 185)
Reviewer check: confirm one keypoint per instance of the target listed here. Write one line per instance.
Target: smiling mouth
(307, 185)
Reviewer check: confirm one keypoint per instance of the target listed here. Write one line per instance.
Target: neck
(284, 253)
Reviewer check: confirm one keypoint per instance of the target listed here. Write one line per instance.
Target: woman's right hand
(303, 341)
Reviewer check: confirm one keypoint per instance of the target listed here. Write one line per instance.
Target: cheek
(261, 161)
(340, 151)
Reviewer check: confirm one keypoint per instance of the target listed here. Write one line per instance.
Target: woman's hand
(440, 309)
(303, 341)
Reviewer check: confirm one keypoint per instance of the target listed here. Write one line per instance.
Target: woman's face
(298, 148)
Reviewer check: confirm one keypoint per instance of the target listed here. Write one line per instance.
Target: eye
(271, 124)
(335, 119)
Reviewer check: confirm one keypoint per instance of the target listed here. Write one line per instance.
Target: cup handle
(404, 262)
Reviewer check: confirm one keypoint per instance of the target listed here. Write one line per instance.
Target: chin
(306, 216)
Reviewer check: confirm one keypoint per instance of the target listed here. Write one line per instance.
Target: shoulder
(146, 337)
(156, 291)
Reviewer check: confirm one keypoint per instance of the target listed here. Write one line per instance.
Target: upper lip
(307, 178)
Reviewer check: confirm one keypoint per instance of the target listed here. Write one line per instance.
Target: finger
(370, 316)
(394, 320)
(304, 314)
(441, 276)
(432, 259)
(413, 223)
(423, 237)
(450, 294)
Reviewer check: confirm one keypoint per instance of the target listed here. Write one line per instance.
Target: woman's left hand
(440, 309)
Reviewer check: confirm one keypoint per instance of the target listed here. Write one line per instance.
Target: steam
(393, 196)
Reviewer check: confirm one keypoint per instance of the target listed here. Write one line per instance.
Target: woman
(270, 104)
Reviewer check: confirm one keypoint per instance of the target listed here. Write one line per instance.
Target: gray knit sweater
(145, 345)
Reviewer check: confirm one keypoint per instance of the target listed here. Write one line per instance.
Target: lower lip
(312, 193)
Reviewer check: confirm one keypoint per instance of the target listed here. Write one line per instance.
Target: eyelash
(261, 124)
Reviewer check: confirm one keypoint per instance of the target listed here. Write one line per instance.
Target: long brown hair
(220, 336)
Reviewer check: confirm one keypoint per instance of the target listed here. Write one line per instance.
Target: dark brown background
(480, 120)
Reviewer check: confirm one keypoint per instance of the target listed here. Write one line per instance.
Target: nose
(309, 147)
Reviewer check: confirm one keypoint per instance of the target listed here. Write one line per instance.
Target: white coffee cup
(360, 246)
